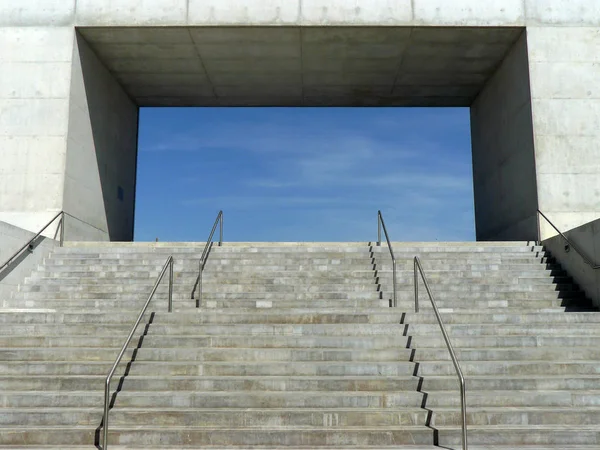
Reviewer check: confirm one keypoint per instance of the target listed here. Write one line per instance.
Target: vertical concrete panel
(565, 87)
(503, 152)
(35, 71)
(101, 152)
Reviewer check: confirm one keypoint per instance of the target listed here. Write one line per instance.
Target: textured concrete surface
(35, 70)
(294, 346)
(300, 12)
(504, 176)
(586, 239)
(565, 90)
(12, 239)
(101, 153)
(320, 66)
(61, 133)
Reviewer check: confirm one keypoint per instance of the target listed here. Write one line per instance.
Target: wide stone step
(487, 329)
(492, 382)
(170, 368)
(209, 316)
(516, 398)
(403, 294)
(61, 329)
(206, 383)
(226, 341)
(521, 416)
(209, 418)
(267, 317)
(521, 436)
(315, 275)
(260, 268)
(458, 317)
(187, 436)
(183, 303)
(238, 399)
(508, 354)
(207, 354)
(568, 367)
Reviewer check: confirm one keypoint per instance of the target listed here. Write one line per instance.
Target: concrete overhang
(302, 66)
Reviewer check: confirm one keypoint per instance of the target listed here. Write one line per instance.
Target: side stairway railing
(380, 224)
(418, 269)
(29, 245)
(567, 240)
(168, 265)
(204, 257)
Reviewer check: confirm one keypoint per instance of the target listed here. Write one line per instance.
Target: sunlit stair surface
(295, 345)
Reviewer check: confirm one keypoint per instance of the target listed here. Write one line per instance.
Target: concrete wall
(587, 240)
(11, 239)
(35, 74)
(504, 176)
(299, 12)
(67, 129)
(565, 88)
(68, 136)
(101, 155)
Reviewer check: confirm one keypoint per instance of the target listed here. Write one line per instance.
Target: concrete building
(73, 75)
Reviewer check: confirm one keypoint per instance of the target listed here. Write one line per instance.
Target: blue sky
(304, 174)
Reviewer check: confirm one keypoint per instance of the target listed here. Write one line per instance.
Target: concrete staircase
(294, 345)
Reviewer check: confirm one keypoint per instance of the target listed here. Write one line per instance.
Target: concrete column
(504, 170)
(101, 156)
(68, 136)
(565, 89)
(35, 74)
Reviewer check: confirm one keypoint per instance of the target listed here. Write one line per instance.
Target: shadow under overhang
(302, 66)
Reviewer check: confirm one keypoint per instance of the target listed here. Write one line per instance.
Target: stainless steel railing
(205, 253)
(567, 240)
(29, 244)
(168, 265)
(463, 401)
(380, 224)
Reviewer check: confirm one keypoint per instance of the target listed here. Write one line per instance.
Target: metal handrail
(29, 243)
(168, 265)
(463, 401)
(570, 244)
(381, 223)
(205, 253)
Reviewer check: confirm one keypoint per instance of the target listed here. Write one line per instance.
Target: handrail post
(171, 286)
(379, 229)
(463, 405)
(416, 278)
(106, 409)
(539, 228)
(62, 229)
(221, 230)
(394, 279)
(381, 224)
(199, 302)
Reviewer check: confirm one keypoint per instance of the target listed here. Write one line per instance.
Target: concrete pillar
(564, 67)
(68, 136)
(35, 74)
(504, 167)
(101, 156)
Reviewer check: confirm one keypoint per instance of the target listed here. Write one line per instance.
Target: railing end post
(62, 229)
(416, 281)
(171, 285)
